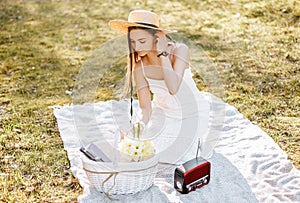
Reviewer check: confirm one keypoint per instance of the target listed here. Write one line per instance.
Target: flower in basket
(136, 149)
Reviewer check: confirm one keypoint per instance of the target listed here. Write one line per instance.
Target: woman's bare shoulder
(180, 47)
(138, 72)
(137, 65)
(181, 50)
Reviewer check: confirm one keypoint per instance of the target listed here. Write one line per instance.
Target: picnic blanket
(246, 164)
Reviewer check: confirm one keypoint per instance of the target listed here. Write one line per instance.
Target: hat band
(148, 24)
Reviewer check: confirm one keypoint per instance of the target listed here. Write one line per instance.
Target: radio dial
(179, 185)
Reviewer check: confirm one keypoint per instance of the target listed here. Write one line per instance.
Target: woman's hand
(162, 42)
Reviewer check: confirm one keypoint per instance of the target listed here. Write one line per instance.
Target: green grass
(43, 45)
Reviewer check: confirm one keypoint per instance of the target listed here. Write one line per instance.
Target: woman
(177, 115)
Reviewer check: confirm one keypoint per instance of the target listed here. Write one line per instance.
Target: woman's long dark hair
(132, 60)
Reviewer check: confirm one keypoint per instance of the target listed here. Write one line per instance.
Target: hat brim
(122, 26)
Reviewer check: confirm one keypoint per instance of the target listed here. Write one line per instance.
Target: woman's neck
(151, 59)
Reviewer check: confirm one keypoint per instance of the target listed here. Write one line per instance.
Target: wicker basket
(125, 178)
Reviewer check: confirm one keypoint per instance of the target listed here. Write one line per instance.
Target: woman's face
(142, 42)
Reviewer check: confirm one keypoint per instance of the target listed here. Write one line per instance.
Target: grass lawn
(255, 46)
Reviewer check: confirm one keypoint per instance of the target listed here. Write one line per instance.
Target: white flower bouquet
(134, 148)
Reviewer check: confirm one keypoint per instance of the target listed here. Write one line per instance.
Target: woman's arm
(173, 74)
(143, 93)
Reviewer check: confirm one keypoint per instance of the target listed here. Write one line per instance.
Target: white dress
(177, 121)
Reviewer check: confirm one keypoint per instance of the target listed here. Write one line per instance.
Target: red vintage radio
(191, 175)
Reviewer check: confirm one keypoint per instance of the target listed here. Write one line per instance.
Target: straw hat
(140, 18)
